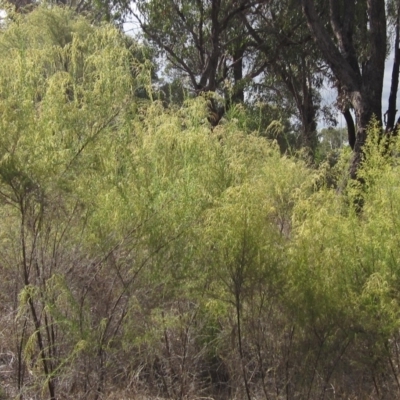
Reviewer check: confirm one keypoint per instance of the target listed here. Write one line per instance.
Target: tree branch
(340, 66)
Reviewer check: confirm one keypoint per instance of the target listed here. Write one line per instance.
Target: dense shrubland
(144, 254)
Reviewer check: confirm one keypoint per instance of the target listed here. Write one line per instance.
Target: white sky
(387, 83)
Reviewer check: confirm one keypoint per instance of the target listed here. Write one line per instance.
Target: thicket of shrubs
(144, 255)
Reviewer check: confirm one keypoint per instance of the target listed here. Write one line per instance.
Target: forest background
(174, 226)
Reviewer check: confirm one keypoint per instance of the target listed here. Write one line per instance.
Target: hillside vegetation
(146, 254)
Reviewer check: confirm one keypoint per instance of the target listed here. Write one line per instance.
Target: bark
(238, 95)
(22, 6)
(308, 111)
(310, 126)
(362, 78)
(208, 81)
(351, 128)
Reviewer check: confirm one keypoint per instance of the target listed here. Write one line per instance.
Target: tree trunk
(351, 128)
(238, 95)
(366, 108)
(308, 114)
(22, 6)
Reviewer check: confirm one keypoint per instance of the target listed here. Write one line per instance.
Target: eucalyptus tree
(233, 47)
(352, 37)
(281, 36)
(204, 42)
(115, 11)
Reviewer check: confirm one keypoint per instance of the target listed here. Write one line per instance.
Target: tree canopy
(271, 50)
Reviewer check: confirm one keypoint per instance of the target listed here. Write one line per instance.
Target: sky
(387, 82)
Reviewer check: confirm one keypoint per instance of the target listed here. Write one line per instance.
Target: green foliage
(331, 139)
(66, 89)
(148, 250)
(344, 264)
